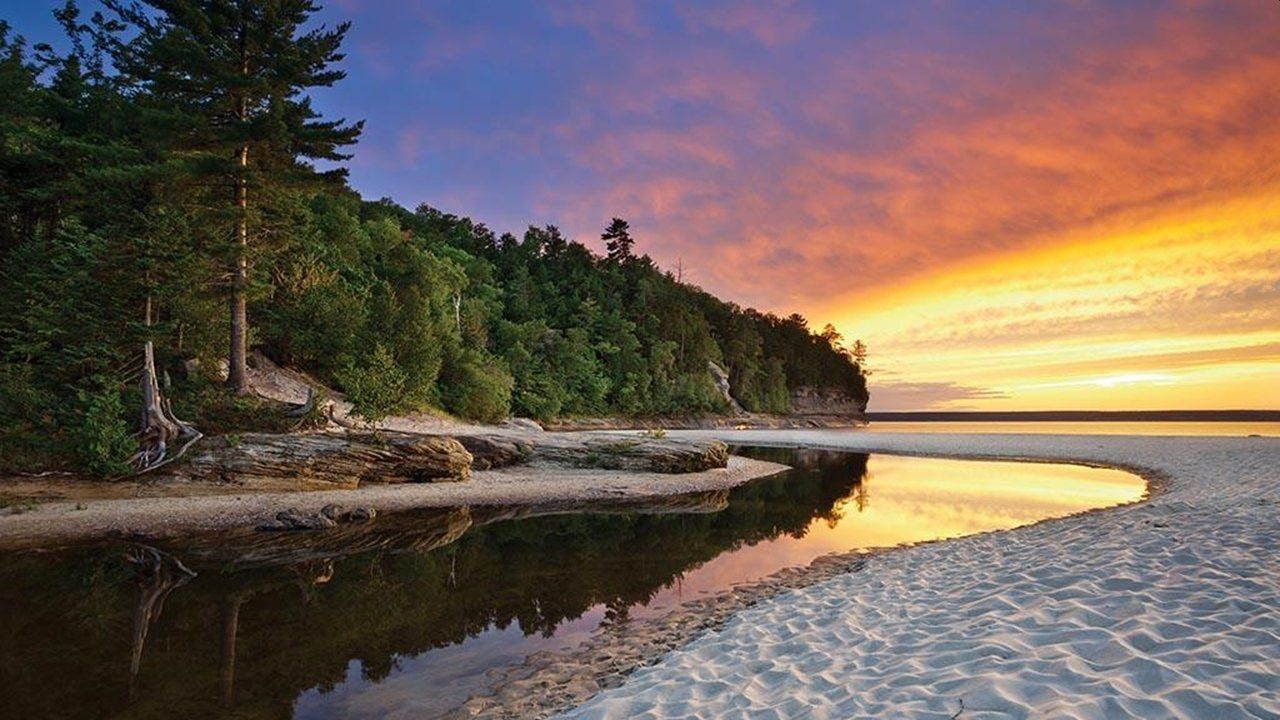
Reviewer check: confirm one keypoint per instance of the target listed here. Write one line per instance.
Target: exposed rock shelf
(332, 460)
(326, 460)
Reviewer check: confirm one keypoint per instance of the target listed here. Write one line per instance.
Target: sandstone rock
(646, 454)
(825, 401)
(721, 379)
(294, 519)
(495, 451)
(328, 460)
(338, 513)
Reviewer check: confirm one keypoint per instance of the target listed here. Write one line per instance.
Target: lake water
(403, 617)
(1091, 427)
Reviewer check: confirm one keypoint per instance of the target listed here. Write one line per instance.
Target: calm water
(404, 617)
(1227, 429)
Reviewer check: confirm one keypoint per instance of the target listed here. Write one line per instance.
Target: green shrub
(105, 441)
(375, 388)
(476, 387)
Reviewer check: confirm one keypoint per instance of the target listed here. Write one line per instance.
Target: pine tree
(231, 77)
(618, 241)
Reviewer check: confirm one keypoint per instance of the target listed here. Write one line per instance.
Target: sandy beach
(1166, 608)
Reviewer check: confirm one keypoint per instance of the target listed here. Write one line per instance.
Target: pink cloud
(975, 161)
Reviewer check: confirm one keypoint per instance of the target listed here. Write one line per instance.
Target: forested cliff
(157, 184)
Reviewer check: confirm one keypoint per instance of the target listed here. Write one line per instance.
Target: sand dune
(1166, 609)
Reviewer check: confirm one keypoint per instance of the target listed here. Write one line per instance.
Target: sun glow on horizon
(1161, 315)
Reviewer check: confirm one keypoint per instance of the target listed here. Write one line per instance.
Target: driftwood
(159, 428)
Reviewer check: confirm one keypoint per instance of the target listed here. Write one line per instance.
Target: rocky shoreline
(286, 481)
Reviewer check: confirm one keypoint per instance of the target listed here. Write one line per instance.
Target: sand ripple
(1168, 609)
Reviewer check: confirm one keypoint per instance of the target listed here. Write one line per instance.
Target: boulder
(520, 423)
(329, 516)
(495, 451)
(294, 519)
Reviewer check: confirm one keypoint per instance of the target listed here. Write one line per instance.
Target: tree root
(160, 427)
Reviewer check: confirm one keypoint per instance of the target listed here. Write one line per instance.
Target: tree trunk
(160, 428)
(237, 373)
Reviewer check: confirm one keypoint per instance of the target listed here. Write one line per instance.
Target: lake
(1081, 427)
(403, 617)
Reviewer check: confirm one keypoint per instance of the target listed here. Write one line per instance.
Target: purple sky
(820, 156)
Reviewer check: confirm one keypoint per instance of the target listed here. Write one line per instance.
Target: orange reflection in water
(911, 500)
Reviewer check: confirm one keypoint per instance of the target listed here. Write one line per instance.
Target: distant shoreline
(1079, 416)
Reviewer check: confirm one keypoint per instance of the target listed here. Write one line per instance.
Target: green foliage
(116, 161)
(376, 386)
(105, 441)
(217, 411)
(476, 387)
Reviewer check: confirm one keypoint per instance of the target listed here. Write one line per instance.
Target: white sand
(1165, 609)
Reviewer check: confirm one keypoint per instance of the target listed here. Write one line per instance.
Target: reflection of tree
(158, 574)
(227, 649)
(861, 495)
(242, 630)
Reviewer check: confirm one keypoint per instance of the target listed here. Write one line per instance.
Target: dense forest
(165, 178)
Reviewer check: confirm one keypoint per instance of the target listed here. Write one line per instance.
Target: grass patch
(215, 411)
(26, 451)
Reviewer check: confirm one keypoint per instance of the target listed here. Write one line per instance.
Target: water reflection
(403, 616)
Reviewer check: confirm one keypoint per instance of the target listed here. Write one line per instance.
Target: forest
(165, 178)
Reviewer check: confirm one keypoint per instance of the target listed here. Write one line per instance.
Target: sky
(1016, 204)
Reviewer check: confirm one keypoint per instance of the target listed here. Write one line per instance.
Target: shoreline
(552, 682)
(1128, 583)
(60, 523)
(1163, 607)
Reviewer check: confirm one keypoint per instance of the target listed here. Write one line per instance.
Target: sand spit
(1168, 608)
(166, 517)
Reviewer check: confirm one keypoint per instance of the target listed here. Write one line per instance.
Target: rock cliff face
(721, 378)
(825, 401)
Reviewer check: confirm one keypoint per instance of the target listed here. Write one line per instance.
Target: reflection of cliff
(289, 619)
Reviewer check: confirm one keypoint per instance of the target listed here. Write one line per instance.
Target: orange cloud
(938, 201)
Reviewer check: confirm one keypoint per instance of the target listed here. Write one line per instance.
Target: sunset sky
(1016, 205)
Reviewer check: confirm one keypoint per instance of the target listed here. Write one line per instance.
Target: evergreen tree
(618, 241)
(232, 74)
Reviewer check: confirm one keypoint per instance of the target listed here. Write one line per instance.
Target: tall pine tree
(618, 241)
(231, 77)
